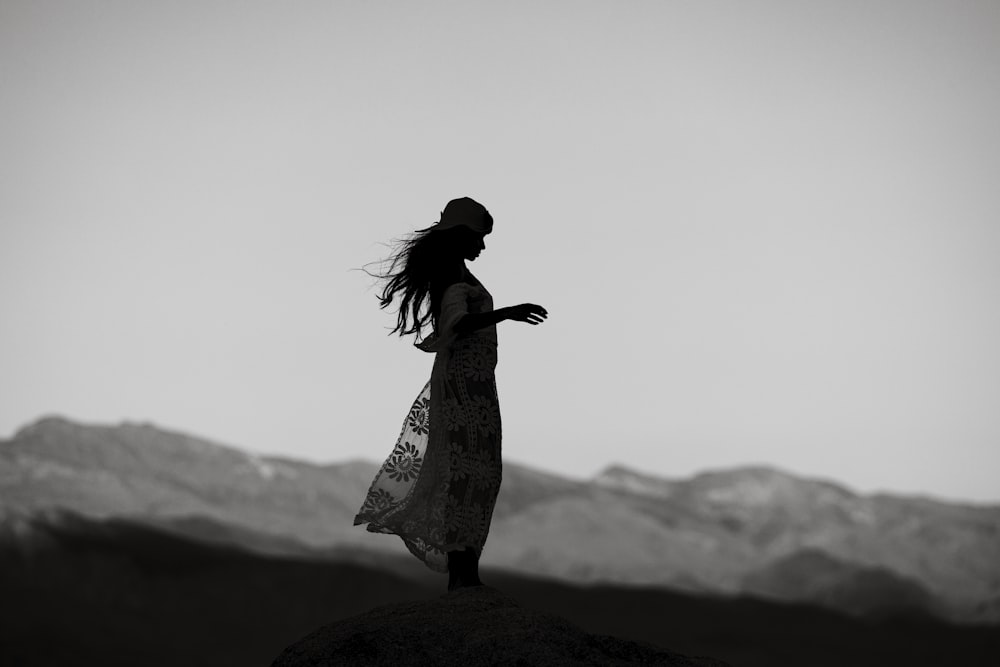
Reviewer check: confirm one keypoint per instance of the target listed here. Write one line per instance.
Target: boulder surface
(471, 626)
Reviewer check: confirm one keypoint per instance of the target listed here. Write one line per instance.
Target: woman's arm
(472, 321)
(525, 312)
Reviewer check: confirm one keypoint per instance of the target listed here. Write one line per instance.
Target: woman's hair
(419, 269)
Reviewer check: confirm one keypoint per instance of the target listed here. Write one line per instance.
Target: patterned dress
(438, 487)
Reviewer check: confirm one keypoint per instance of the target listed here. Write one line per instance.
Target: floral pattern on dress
(483, 461)
(378, 500)
(461, 465)
(486, 413)
(454, 416)
(478, 367)
(419, 418)
(462, 516)
(404, 463)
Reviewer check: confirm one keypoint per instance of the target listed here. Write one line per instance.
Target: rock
(471, 626)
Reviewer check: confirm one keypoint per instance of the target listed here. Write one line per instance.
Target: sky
(766, 233)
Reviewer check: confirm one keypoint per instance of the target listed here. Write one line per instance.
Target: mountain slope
(816, 577)
(758, 516)
(141, 470)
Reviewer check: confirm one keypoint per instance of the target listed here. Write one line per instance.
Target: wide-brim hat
(465, 211)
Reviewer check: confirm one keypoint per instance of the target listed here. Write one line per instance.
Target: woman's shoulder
(465, 281)
(470, 279)
(454, 291)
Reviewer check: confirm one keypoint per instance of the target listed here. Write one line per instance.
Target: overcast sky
(765, 232)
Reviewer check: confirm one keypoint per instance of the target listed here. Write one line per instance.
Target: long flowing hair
(418, 272)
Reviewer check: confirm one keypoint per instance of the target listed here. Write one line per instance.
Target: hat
(465, 211)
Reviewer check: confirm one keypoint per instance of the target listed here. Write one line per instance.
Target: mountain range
(752, 531)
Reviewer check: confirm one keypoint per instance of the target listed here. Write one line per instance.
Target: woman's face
(470, 243)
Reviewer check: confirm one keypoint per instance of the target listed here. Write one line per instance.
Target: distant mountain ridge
(752, 530)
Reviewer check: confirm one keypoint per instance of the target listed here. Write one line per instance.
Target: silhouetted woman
(438, 487)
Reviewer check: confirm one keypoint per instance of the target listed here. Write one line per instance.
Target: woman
(438, 487)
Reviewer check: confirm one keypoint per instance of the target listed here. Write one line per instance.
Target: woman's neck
(459, 272)
(469, 278)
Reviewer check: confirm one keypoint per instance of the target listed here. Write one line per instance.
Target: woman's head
(459, 234)
(463, 225)
(431, 259)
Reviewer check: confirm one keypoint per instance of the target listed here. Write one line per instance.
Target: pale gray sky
(765, 232)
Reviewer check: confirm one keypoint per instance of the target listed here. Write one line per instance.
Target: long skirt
(438, 488)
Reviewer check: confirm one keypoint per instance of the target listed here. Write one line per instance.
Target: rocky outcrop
(472, 626)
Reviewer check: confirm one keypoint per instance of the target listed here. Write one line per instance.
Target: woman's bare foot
(463, 569)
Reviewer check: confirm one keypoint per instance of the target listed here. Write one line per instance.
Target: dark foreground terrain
(470, 626)
(79, 591)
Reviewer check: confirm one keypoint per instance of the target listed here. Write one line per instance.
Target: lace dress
(438, 487)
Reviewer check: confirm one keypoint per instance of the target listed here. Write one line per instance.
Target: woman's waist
(479, 337)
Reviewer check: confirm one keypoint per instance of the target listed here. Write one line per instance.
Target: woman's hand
(527, 312)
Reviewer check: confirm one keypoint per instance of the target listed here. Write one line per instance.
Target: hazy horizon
(763, 233)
